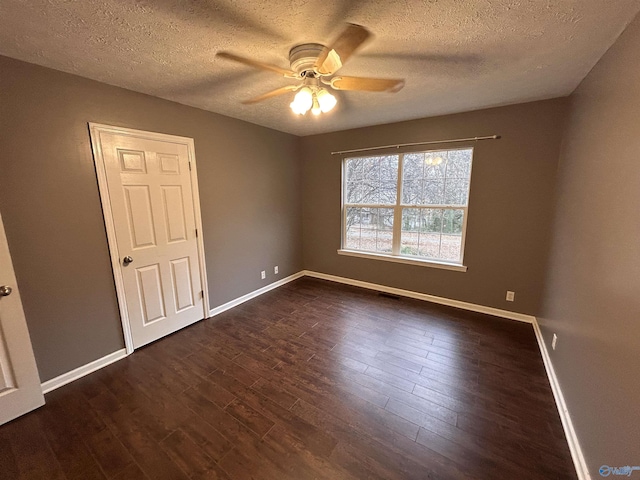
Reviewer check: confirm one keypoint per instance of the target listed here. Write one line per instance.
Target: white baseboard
(521, 317)
(572, 439)
(80, 372)
(233, 303)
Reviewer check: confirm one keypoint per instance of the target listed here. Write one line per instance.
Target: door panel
(7, 381)
(20, 390)
(169, 164)
(172, 197)
(152, 206)
(140, 216)
(150, 293)
(131, 161)
(182, 290)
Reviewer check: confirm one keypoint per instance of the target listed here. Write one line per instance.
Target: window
(407, 206)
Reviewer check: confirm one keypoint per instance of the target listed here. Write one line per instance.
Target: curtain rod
(400, 145)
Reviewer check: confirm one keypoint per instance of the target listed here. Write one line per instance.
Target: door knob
(127, 260)
(5, 290)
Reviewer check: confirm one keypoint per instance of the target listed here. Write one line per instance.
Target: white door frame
(96, 129)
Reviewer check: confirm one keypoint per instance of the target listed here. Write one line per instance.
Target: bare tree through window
(419, 199)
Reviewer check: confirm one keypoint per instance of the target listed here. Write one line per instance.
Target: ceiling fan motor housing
(303, 57)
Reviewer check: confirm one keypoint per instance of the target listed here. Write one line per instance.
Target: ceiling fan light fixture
(314, 98)
(326, 100)
(316, 106)
(303, 101)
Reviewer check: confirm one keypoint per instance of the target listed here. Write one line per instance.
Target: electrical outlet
(263, 274)
(511, 296)
(275, 269)
(554, 341)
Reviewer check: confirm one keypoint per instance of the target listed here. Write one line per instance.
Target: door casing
(95, 130)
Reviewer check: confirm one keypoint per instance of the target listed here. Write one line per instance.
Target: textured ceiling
(456, 55)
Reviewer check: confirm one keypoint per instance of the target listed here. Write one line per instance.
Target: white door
(20, 390)
(151, 199)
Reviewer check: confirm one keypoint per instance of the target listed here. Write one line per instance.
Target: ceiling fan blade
(256, 64)
(333, 57)
(272, 93)
(389, 85)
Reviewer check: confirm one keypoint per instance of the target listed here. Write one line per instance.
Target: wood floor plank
(370, 445)
(9, 468)
(132, 472)
(413, 414)
(314, 440)
(32, 452)
(131, 431)
(402, 381)
(109, 452)
(190, 457)
(311, 380)
(276, 394)
(214, 443)
(75, 459)
(244, 463)
(250, 417)
(232, 429)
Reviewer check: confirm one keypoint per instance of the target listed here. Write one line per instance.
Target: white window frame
(395, 255)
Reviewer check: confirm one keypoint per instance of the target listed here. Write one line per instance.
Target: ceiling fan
(315, 67)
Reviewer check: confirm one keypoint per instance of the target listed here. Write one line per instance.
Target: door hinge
(196, 233)
(189, 166)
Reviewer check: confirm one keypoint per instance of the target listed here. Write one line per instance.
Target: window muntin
(411, 205)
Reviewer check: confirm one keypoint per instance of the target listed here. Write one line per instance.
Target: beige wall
(592, 298)
(509, 208)
(249, 186)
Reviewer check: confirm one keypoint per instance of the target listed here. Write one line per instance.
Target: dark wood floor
(311, 381)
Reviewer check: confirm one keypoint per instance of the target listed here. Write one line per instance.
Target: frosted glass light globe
(303, 101)
(326, 100)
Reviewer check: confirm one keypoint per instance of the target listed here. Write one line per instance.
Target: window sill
(408, 261)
